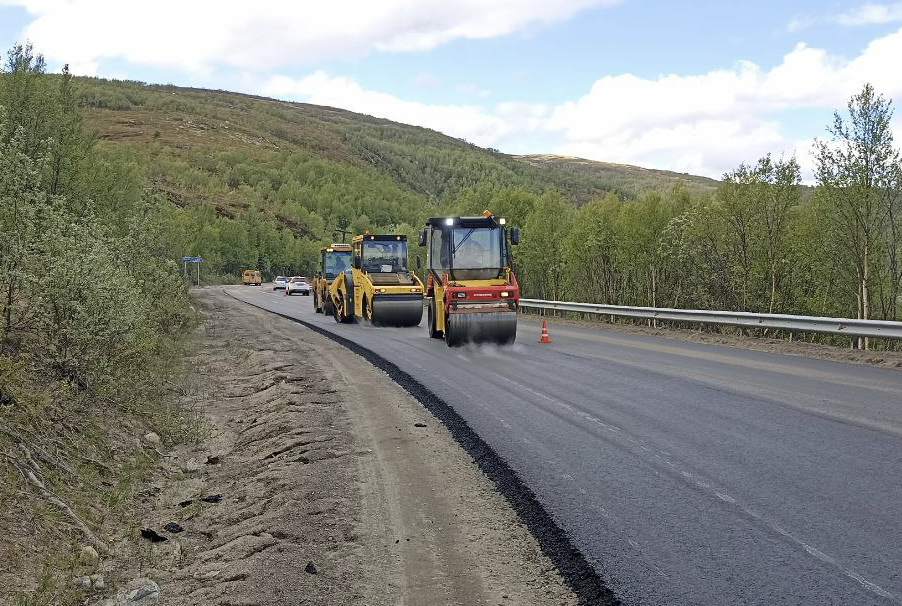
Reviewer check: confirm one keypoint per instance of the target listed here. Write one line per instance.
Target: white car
(279, 282)
(298, 284)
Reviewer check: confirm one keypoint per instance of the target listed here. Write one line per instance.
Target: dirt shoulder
(322, 482)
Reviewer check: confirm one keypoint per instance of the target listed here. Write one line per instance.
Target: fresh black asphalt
(683, 473)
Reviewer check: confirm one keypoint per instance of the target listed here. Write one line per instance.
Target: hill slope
(256, 182)
(421, 161)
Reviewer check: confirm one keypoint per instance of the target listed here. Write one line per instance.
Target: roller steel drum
(395, 310)
(499, 327)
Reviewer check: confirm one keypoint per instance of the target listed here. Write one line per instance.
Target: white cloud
(866, 14)
(266, 34)
(705, 147)
(871, 14)
(705, 124)
(84, 69)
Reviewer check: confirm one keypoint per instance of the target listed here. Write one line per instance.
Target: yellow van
(251, 277)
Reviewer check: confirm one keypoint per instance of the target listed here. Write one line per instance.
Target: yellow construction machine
(379, 287)
(471, 291)
(333, 261)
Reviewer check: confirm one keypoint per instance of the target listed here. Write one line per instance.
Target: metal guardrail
(838, 326)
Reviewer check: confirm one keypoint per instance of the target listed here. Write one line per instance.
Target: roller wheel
(455, 331)
(341, 312)
(499, 328)
(430, 313)
(368, 309)
(337, 311)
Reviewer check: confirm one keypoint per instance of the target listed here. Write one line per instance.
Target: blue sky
(691, 86)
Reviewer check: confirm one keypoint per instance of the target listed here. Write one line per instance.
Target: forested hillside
(262, 183)
(258, 182)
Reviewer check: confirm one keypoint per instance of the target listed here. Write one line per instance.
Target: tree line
(760, 243)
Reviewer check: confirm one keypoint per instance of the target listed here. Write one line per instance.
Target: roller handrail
(883, 329)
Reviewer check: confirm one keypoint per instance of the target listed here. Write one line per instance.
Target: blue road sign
(192, 259)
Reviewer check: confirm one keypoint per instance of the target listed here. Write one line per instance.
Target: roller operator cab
(379, 286)
(333, 261)
(471, 291)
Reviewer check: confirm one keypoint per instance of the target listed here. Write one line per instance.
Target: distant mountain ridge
(627, 176)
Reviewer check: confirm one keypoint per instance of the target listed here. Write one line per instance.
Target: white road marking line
(820, 555)
(725, 497)
(871, 586)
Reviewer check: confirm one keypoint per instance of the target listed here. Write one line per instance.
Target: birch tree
(859, 177)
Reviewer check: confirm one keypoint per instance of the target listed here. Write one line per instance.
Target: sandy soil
(334, 485)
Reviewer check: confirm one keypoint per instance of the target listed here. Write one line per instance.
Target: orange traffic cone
(545, 338)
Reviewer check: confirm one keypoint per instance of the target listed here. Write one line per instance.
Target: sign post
(197, 261)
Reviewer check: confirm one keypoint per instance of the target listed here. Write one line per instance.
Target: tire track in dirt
(275, 437)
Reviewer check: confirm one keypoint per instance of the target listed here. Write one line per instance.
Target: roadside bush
(93, 327)
(91, 312)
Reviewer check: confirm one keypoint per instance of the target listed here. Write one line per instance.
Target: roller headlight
(505, 294)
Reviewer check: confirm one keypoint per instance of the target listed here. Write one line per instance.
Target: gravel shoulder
(320, 481)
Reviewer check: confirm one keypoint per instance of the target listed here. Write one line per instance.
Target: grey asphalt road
(685, 473)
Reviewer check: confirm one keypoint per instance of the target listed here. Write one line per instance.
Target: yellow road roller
(333, 261)
(379, 287)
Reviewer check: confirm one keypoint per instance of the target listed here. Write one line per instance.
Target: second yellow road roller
(333, 261)
(379, 286)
